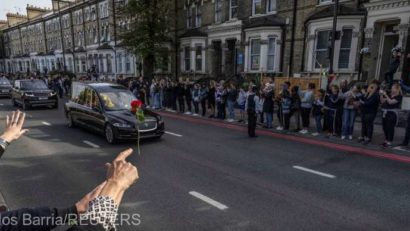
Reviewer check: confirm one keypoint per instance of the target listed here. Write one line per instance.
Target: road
(205, 177)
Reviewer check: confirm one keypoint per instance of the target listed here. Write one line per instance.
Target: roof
(193, 33)
(269, 20)
(329, 10)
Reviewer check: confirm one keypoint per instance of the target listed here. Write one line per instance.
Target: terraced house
(220, 38)
(75, 35)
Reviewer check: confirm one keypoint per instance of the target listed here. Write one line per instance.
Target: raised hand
(14, 126)
(121, 171)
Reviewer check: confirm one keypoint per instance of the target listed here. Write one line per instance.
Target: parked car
(105, 108)
(33, 93)
(5, 87)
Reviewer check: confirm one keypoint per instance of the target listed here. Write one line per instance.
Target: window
(83, 66)
(198, 58)
(257, 7)
(270, 5)
(233, 12)
(321, 51)
(101, 61)
(77, 65)
(119, 63)
(345, 45)
(127, 64)
(198, 12)
(218, 11)
(189, 18)
(109, 66)
(271, 54)
(255, 54)
(187, 57)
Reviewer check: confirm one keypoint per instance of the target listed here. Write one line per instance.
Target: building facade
(74, 36)
(221, 39)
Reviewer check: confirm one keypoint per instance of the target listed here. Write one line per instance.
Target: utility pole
(333, 38)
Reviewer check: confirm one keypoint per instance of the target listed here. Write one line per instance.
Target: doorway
(389, 39)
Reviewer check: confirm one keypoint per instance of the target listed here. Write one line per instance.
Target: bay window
(187, 58)
(198, 58)
(255, 54)
(321, 50)
(345, 46)
(271, 54)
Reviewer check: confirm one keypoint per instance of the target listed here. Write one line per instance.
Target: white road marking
(314, 172)
(91, 144)
(173, 134)
(46, 123)
(208, 200)
(401, 149)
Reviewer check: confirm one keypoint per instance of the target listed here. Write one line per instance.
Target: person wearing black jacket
(393, 66)
(391, 103)
(369, 105)
(188, 96)
(268, 105)
(180, 93)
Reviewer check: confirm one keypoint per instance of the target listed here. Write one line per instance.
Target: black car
(106, 109)
(33, 93)
(5, 87)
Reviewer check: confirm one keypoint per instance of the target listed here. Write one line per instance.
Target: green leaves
(149, 23)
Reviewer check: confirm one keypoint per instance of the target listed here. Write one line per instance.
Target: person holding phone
(369, 104)
(391, 103)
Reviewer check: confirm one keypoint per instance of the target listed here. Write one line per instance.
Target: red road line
(340, 147)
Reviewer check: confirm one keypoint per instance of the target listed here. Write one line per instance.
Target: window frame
(345, 48)
(252, 54)
(187, 58)
(218, 11)
(254, 2)
(231, 7)
(271, 55)
(315, 51)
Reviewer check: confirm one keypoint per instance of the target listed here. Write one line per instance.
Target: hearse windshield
(114, 99)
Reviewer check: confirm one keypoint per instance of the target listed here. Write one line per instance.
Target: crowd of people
(334, 110)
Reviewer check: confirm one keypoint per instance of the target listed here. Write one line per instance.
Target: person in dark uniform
(250, 108)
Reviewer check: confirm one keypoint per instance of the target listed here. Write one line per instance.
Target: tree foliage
(149, 23)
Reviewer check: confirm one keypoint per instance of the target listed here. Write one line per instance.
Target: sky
(19, 6)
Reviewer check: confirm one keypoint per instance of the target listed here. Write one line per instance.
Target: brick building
(216, 38)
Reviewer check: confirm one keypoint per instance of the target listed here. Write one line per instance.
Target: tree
(147, 31)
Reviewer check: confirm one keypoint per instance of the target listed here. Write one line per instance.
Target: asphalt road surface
(205, 177)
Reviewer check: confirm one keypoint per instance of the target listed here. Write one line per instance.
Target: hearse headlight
(122, 125)
(53, 93)
(29, 94)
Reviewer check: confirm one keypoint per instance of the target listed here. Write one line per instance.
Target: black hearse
(106, 109)
(33, 93)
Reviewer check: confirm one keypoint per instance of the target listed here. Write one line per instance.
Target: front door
(389, 40)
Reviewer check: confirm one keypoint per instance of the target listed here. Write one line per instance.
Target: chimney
(33, 11)
(16, 18)
(60, 4)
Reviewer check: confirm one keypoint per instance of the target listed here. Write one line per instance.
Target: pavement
(208, 175)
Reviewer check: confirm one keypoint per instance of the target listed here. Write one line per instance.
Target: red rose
(136, 103)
